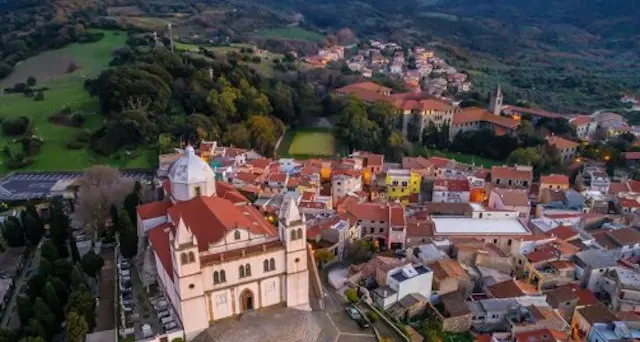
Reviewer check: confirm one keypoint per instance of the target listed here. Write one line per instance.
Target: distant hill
(566, 55)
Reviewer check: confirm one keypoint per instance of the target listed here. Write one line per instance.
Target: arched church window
(293, 235)
(236, 235)
(192, 257)
(223, 276)
(272, 264)
(216, 277)
(197, 191)
(265, 265)
(184, 259)
(299, 233)
(241, 271)
(247, 270)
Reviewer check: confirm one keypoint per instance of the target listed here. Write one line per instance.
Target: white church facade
(216, 258)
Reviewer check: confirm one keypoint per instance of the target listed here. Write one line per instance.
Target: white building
(403, 281)
(344, 182)
(451, 190)
(215, 258)
(600, 181)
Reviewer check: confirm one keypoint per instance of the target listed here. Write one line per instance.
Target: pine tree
(25, 310)
(34, 329)
(51, 298)
(82, 302)
(62, 270)
(13, 232)
(49, 251)
(77, 327)
(128, 236)
(46, 268)
(61, 289)
(45, 316)
(92, 263)
(33, 227)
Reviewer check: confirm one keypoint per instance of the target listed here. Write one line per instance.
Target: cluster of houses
(494, 251)
(633, 100)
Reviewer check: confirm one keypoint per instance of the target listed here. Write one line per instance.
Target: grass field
(290, 33)
(65, 90)
(307, 142)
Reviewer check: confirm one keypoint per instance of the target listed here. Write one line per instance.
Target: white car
(170, 326)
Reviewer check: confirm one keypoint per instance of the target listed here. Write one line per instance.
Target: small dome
(190, 169)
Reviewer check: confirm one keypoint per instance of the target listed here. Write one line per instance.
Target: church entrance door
(246, 298)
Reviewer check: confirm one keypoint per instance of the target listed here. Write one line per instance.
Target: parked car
(127, 295)
(166, 320)
(125, 273)
(127, 308)
(355, 315)
(128, 302)
(125, 284)
(163, 313)
(170, 326)
(124, 265)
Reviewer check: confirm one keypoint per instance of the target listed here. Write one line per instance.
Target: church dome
(190, 169)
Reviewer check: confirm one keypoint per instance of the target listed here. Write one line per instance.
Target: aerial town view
(330, 171)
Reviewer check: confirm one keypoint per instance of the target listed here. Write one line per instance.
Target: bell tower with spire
(495, 105)
(293, 232)
(187, 279)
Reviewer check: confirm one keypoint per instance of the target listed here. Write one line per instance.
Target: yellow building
(402, 183)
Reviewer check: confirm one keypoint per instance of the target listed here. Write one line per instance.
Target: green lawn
(307, 142)
(290, 33)
(466, 158)
(65, 90)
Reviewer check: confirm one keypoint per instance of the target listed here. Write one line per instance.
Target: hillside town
(427, 247)
(418, 67)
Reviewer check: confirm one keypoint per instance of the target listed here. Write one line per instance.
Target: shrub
(256, 59)
(352, 295)
(373, 316)
(72, 67)
(31, 81)
(39, 96)
(75, 145)
(28, 92)
(77, 119)
(19, 87)
(16, 126)
(83, 136)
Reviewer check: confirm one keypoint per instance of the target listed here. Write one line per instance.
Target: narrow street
(10, 320)
(105, 311)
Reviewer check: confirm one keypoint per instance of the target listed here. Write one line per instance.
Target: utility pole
(155, 39)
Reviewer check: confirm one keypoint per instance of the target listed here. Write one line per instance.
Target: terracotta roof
(369, 211)
(363, 86)
(597, 313)
(474, 114)
(561, 143)
(234, 151)
(371, 92)
(585, 297)
(210, 218)
(625, 236)
(159, 238)
(374, 159)
(278, 177)
(542, 335)
(226, 190)
(513, 197)
(562, 264)
(505, 289)
(153, 209)
(542, 255)
(632, 155)
(449, 268)
(261, 163)
(440, 162)
(554, 179)
(617, 187)
(247, 177)
(419, 228)
(533, 111)
(453, 185)
(580, 120)
(604, 240)
(634, 185)
(513, 173)
(424, 105)
(240, 253)
(563, 233)
(396, 216)
(560, 295)
(416, 163)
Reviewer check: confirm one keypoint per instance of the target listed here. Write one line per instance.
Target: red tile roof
(475, 114)
(632, 155)
(625, 236)
(585, 296)
(561, 143)
(506, 172)
(628, 203)
(513, 197)
(396, 216)
(371, 92)
(634, 185)
(506, 289)
(533, 111)
(554, 179)
(440, 162)
(416, 163)
(617, 187)
(580, 120)
(453, 185)
(375, 159)
(419, 228)
(563, 233)
(278, 177)
(159, 238)
(226, 190)
(153, 209)
(542, 335)
(210, 218)
(247, 177)
(259, 163)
